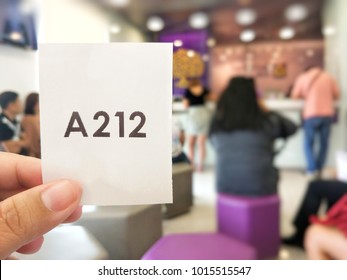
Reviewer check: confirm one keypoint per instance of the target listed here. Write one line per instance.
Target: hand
(28, 208)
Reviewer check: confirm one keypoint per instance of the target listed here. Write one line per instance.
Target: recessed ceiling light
(211, 42)
(286, 33)
(155, 24)
(178, 43)
(245, 16)
(296, 12)
(119, 3)
(16, 36)
(247, 35)
(199, 20)
(115, 29)
(190, 53)
(329, 30)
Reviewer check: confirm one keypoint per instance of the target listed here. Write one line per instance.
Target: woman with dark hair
(198, 120)
(31, 124)
(243, 134)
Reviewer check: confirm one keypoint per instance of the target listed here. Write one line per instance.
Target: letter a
(80, 128)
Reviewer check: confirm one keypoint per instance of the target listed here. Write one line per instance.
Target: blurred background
(273, 42)
(214, 40)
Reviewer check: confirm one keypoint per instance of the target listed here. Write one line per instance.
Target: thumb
(34, 212)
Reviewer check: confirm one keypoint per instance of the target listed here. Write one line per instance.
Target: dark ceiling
(223, 27)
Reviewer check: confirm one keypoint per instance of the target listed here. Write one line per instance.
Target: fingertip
(76, 215)
(61, 195)
(32, 247)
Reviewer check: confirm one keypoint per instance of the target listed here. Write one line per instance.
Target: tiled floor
(201, 218)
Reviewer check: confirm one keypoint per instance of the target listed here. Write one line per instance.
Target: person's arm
(212, 96)
(3, 147)
(13, 146)
(182, 137)
(336, 92)
(185, 100)
(297, 91)
(262, 105)
(284, 127)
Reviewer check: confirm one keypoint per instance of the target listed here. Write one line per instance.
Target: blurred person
(319, 90)
(326, 239)
(325, 243)
(198, 120)
(243, 132)
(10, 129)
(317, 193)
(2, 147)
(31, 124)
(28, 208)
(178, 139)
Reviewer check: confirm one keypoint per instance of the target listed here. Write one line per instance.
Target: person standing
(319, 90)
(31, 124)
(198, 120)
(10, 130)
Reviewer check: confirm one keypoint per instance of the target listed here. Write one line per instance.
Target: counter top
(284, 104)
(272, 104)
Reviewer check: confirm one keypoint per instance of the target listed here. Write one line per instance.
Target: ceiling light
(178, 43)
(16, 36)
(119, 3)
(115, 28)
(286, 33)
(245, 16)
(211, 42)
(329, 30)
(247, 35)
(155, 24)
(296, 12)
(199, 20)
(190, 53)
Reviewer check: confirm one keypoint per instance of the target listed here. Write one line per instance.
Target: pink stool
(252, 220)
(200, 246)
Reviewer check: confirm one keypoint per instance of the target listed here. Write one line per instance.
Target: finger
(34, 212)
(31, 247)
(19, 171)
(8, 193)
(74, 216)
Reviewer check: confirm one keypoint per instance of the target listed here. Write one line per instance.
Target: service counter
(292, 156)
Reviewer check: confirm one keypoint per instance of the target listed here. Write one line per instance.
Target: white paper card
(106, 120)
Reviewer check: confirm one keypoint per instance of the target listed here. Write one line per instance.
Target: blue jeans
(313, 128)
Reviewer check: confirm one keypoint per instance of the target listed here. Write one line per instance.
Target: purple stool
(200, 246)
(253, 220)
